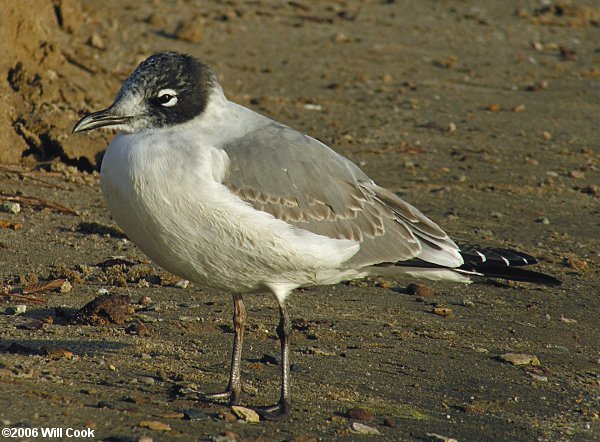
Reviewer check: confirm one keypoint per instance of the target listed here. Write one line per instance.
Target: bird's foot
(229, 395)
(275, 412)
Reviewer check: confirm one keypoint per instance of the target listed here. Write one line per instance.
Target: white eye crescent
(167, 97)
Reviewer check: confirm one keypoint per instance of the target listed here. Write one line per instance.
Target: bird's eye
(167, 97)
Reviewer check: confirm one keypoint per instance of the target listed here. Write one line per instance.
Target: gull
(232, 200)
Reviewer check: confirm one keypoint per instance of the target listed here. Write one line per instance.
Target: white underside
(163, 188)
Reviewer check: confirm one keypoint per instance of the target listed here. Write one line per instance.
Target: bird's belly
(196, 243)
(205, 240)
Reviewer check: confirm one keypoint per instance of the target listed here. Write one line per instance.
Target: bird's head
(166, 89)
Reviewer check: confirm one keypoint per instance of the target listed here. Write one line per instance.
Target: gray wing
(301, 181)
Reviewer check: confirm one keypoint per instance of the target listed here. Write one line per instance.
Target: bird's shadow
(93, 227)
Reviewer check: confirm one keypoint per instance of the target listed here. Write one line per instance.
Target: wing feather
(301, 181)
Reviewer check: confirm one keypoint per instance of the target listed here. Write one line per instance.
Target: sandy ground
(482, 114)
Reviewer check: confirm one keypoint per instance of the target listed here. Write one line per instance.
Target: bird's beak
(106, 117)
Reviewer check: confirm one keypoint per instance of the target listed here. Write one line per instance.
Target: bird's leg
(234, 388)
(239, 323)
(284, 329)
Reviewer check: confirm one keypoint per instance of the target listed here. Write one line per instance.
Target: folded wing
(301, 181)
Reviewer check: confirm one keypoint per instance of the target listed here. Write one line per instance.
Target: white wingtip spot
(482, 256)
(505, 260)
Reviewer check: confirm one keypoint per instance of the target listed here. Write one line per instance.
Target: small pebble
(357, 427)
(156, 21)
(338, 420)
(532, 162)
(439, 438)
(419, 290)
(543, 220)
(567, 320)
(58, 353)
(386, 284)
(155, 425)
(519, 359)
(360, 414)
(389, 423)
(537, 86)
(252, 390)
(227, 436)
(31, 324)
(311, 106)
(269, 359)
(194, 414)
(96, 41)
(246, 414)
(183, 284)
(446, 312)
(104, 404)
(10, 207)
(145, 439)
(65, 287)
(147, 380)
(172, 415)
(145, 300)
(576, 174)
(139, 329)
(192, 31)
(537, 45)
(538, 377)
(227, 416)
(51, 74)
(304, 439)
(340, 37)
(17, 310)
(146, 318)
(190, 318)
(473, 409)
(575, 263)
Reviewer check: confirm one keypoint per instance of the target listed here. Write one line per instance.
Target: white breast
(163, 188)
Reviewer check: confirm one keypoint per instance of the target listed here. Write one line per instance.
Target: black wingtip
(520, 274)
(504, 263)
